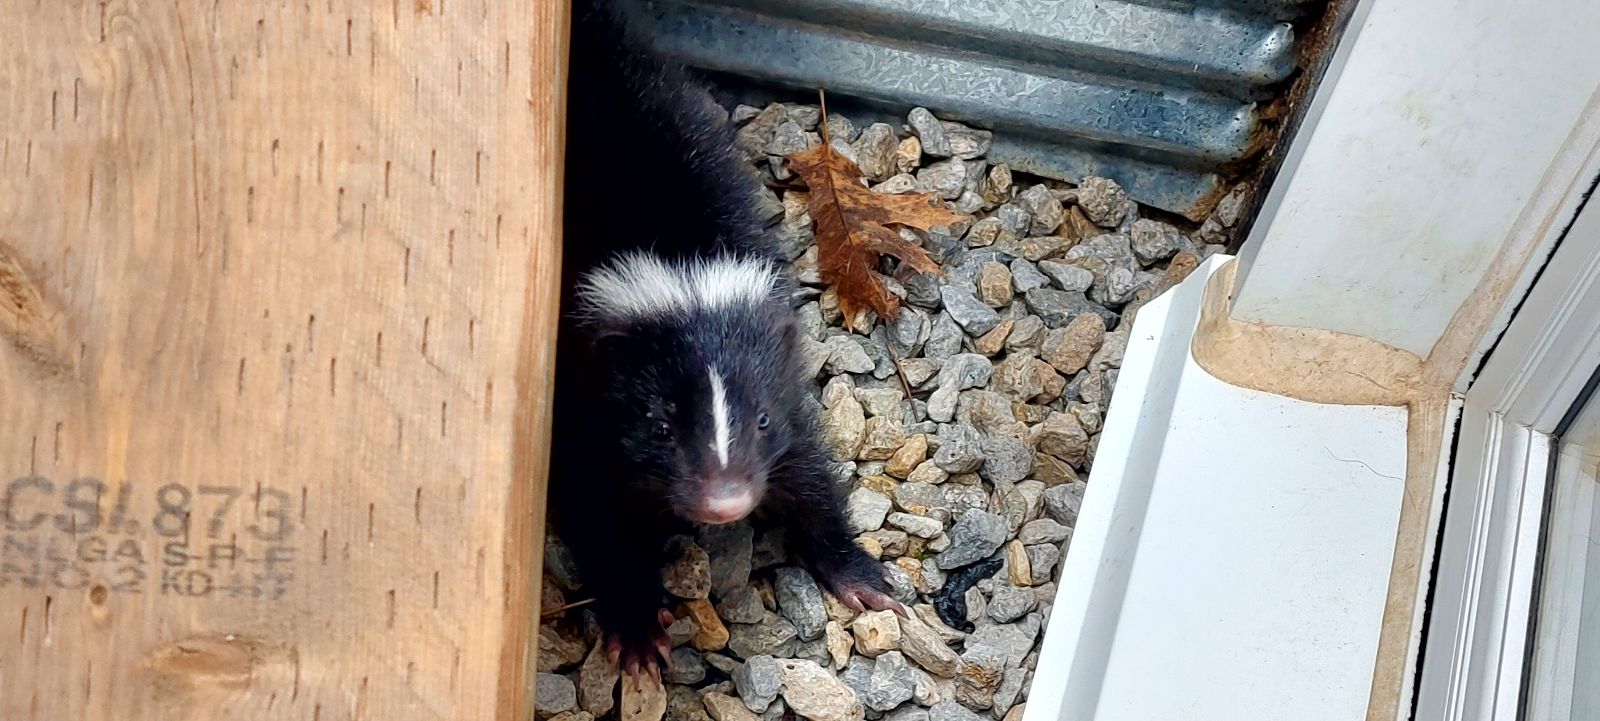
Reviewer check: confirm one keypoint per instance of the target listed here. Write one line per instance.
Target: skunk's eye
(762, 421)
(662, 429)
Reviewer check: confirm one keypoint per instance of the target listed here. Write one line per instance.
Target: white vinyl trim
(1475, 655)
(1562, 591)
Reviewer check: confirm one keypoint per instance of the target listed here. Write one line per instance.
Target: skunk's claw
(645, 649)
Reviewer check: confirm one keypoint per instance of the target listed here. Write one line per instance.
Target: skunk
(678, 396)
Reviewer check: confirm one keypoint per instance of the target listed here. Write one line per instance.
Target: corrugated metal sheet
(1162, 96)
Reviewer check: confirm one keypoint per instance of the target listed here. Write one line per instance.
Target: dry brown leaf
(855, 227)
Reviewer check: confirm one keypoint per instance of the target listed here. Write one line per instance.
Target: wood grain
(277, 317)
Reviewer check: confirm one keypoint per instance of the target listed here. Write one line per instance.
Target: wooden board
(277, 304)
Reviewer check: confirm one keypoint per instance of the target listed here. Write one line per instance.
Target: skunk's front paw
(637, 645)
(863, 588)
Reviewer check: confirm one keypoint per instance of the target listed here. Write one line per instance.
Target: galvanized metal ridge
(1202, 47)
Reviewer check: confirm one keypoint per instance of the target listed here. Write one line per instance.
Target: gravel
(967, 489)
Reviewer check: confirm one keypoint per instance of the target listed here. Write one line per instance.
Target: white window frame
(1476, 651)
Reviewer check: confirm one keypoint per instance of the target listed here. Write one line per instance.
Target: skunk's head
(702, 392)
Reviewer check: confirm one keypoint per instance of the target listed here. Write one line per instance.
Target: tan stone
(905, 460)
(713, 635)
(1017, 561)
(990, 343)
(876, 632)
(643, 699)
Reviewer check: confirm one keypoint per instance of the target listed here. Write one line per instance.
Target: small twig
(898, 371)
(822, 102)
(563, 609)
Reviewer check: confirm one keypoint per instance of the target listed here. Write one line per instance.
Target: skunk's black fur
(651, 167)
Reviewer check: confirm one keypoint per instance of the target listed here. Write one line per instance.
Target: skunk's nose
(726, 503)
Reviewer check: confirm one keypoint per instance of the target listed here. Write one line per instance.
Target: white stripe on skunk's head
(642, 285)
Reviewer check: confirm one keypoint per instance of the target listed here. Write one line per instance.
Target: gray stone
(1025, 276)
(960, 449)
(1067, 277)
(922, 499)
(1062, 502)
(919, 371)
(1023, 503)
(841, 128)
(947, 178)
(990, 412)
(1043, 530)
(1006, 460)
(890, 684)
(1011, 641)
(559, 649)
(907, 713)
(687, 666)
(928, 472)
(959, 372)
(899, 183)
(806, 116)
(967, 143)
(909, 331)
(729, 547)
(1154, 241)
(758, 132)
(1057, 308)
(1023, 377)
(930, 131)
(969, 202)
(875, 151)
(1014, 218)
(800, 600)
(553, 694)
(1009, 603)
(1010, 691)
(880, 401)
(774, 636)
(1042, 560)
(813, 355)
(787, 139)
(967, 311)
(919, 526)
(743, 113)
(901, 585)
(951, 711)
(681, 703)
(680, 631)
(960, 498)
(597, 682)
(1035, 248)
(758, 682)
(1027, 334)
(769, 546)
(976, 535)
(944, 340)
(722, 663)
(846, 355)
(865, 510)
(1103, 201)
(1045, 209)
(1119, 287)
